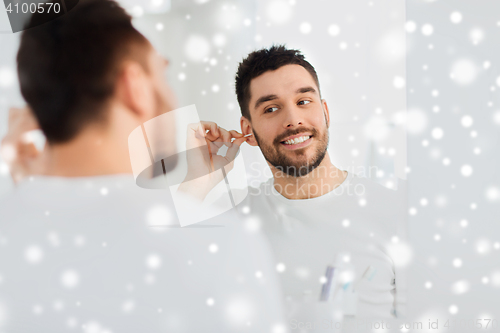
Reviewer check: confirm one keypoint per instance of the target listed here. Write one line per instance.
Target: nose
(293, 118)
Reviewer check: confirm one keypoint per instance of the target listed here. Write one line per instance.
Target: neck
(94, 152)
(325, 178)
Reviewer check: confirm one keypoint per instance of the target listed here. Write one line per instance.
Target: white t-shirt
(357, 220)
(100, 254)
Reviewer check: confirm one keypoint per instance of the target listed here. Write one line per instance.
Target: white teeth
(297, 140)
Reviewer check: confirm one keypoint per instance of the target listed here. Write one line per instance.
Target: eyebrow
(264, 99)
(305, 90)
(268, 98)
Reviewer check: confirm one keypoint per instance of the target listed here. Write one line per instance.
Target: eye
(270, 110)
(305, 102)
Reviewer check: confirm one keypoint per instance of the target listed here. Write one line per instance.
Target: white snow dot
(456, 17)
(427, 29)
(435, 93)
(437, 133)
(210, 302)
(245, 210)
(400, 252)
(104, 191)
(247, 22)
(415, 120)
(333, 30)
(215, 88)
(457, 262)
(398, 82)
(280, 267)
(137, 11)
(305, 28)
(38, 310)
(437, 237)
(343, 45)
(410, 27)
(464, 71)
(213, 248)
(279, 328)
(483, 246)
(495, 279)
(466, 170)
(279, 11)
(476, 36)
(58, 305)
(219, 40)
(7, 77)
(158, 217)
(197, 48)
(4, 169)
(428, 285)
(153, 261)
(467, 121)
(159, 26)
(79, 241)
(128, 306)
(346, 223)
(453, 309)
(258, 274)
(424, 202)
(492, 194)
(33, 254)
(70, 279)
(181, 76)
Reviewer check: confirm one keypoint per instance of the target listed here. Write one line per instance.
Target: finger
(231, 152)
(226, 137)
(212, 127)
(235, 134)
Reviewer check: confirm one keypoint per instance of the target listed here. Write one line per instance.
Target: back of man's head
(68, 67)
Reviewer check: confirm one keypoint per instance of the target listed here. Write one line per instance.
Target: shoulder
(395, 190)
(388, 205)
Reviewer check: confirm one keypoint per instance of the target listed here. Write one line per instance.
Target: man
(313, 213)
(82, 246)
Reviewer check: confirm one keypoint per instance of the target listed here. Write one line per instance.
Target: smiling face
(289, 120)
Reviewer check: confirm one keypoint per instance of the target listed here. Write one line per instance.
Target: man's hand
(17, 149)
(204, 140)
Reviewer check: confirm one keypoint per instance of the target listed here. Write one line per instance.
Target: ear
(246, 128)
(134, 91)
(326, 112)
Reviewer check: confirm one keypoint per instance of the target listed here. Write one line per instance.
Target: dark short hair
(261, 61)
(68, 67)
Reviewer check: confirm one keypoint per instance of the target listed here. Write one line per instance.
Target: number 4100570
(34, 8)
